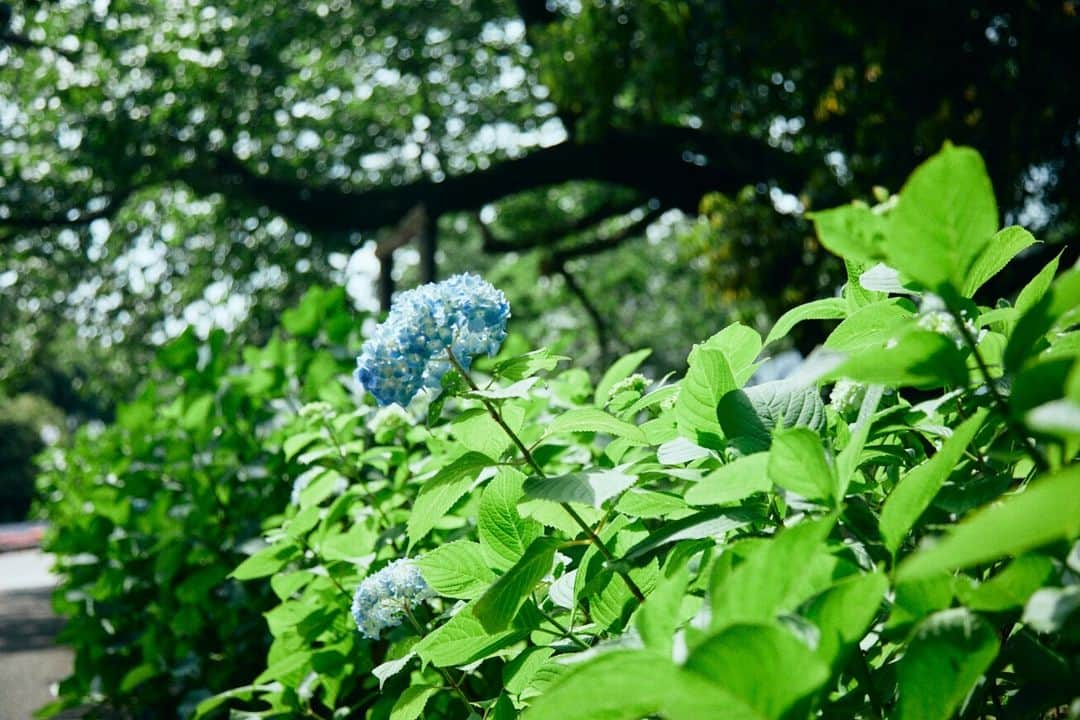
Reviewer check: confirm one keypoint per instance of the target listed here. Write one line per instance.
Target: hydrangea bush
(522, 542)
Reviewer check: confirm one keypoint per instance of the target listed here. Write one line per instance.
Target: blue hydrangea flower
(379, 602)
(408, 352)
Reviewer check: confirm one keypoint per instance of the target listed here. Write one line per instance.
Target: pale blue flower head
(408, 352)
(380, 600)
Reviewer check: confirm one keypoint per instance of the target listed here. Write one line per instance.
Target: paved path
(29, 660)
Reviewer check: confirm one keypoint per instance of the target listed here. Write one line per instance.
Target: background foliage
(166, 163)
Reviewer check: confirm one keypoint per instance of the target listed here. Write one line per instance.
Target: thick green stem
(600, 546)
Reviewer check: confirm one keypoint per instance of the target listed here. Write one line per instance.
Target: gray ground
(29, 660)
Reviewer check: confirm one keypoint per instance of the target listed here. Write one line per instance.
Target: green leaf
(457, 570)
(463, 640)
(658, 618)
(914, 357)
(295, 443)
(714, 522)
(765, 584)
(410, 705)
(523, 366)
(765, 666)
(708, 379)
(1003, 247)
(500, 602)
(823, 309)
(944, 219)
(439, 494)
(917, 489)
(870, 326)
(740, 346)
(797, 463)
(137, 676)
(630, 685)
(733, 482)
(843, 613)
(787, 404)
(1046, 511)
(620, 370)
(588, 487)
(477, 431)
(945, 657)
(847, 462)
(594, 420)
(267, 561)
(504, 534)
(1036, 288)
(854, 232)
(1010, 588)
(518, 672)
(1055, 308)
(289, 669)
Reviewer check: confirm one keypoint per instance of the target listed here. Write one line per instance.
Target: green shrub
(24, 419)
(704, 548)
(149, 516)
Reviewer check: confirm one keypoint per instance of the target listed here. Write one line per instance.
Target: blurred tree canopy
(173, 161)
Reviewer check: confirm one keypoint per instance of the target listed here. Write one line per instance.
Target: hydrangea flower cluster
(846, 397)
(380, 600)
(407, 352)
(934, 317)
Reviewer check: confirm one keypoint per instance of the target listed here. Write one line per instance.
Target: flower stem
(442, 671)
(999, 400)
(600, 546)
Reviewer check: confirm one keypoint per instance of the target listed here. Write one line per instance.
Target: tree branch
(493, 244)
(70, 217)
(656, 163)
(603, 244)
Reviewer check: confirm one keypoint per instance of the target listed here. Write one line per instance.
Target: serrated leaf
(944, 219)
(390, 668)
(733, 482)
(439, 494)
(504, 534)
(523, 366)
(629, 685)
(786, 404)
(457, 570)
(914, 357)
(708, 379)
(764, 666)
(869, 326)
(620, 370)
(1003, 247)
(594, 420)
(410, 704)
(916, 490)
(764, 584)
(947, 654)
(1046, 511)
(463, 640)
(520, 389)
(680, 451)
(797, 463)
(854, 232)
(267, 561)
(657, 619)
(501, 601)
(740, 345)
(588, 487)
(843, 613)
(823, 309)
